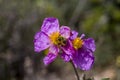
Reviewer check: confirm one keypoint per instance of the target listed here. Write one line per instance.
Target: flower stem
(75, 71)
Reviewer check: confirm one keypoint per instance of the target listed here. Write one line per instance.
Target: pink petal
(41, 42)
(65, 57)
(65, 31)
(54, 49)
(50, 25)
(74, 34)
(90, 44)
(49, 58)
(83, 59)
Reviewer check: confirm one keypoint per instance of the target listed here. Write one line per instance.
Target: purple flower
(51, 37)
(80, 51)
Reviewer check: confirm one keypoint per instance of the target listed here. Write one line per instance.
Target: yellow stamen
(77, 43)
(54, 36)
(57, 39)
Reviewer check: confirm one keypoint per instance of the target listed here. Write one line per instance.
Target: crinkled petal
(82, 36)
(54, 49)
(49, 58)
(74, 34)
(68, 48)
(90, 44)
(50, 25)
(65, 31)
(65, 57)
(84, 59)
(41, 41)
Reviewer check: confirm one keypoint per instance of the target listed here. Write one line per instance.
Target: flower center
(57, 39)
(54, 36)
(77, 43)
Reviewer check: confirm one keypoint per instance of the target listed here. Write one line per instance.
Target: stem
(75, 71)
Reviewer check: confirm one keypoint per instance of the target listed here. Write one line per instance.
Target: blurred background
(21, 19)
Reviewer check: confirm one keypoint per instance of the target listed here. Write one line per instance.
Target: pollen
(77, 43)
(54, 36)
(57, 39)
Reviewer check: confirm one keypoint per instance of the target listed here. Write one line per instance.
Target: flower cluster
(64, 42)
